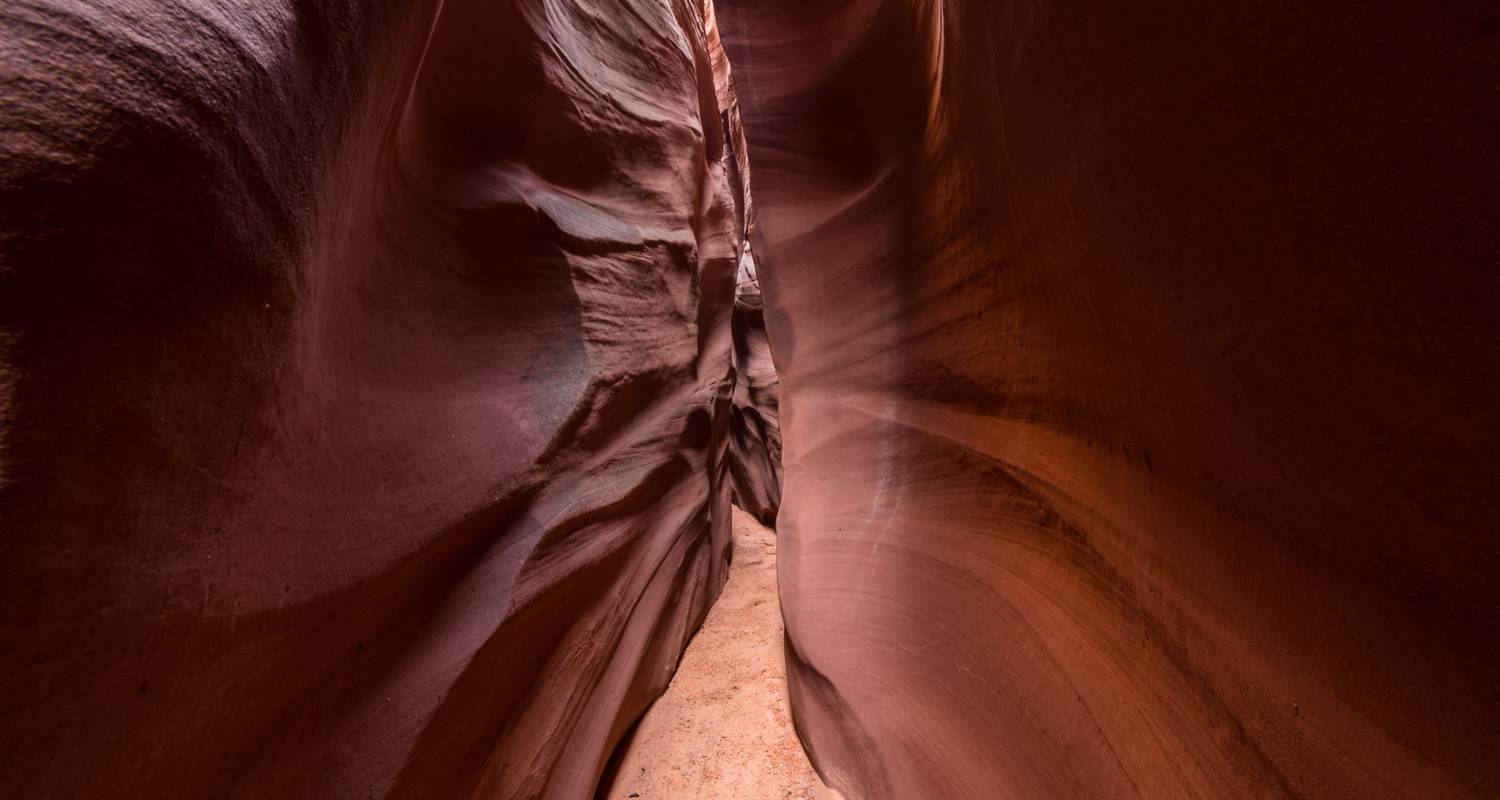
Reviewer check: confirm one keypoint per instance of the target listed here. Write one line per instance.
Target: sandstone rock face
(366, 373)
(1139, 372)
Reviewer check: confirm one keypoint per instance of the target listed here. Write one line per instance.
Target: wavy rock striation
(1138, 374)
(366, 384)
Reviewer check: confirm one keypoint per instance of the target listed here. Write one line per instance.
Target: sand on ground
(723, 728)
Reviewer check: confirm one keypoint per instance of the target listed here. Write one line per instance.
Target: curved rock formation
(1139, 372)
(366, 379)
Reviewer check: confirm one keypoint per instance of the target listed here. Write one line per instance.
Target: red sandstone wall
(1139, 376)
(364, 387)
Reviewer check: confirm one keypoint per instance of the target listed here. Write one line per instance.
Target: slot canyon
(397, 398)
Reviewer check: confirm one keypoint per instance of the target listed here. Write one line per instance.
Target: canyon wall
(1138, 369)
(364, 391)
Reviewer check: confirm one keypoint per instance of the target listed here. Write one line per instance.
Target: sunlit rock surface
(365, 385)
(1138, 369)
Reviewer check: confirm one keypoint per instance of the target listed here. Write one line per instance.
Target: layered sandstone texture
(1138, 369)
(365, 387)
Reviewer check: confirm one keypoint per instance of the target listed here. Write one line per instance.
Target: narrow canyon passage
(723, 728)
(378, 380)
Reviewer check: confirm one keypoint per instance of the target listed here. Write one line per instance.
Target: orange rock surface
(1138, 385)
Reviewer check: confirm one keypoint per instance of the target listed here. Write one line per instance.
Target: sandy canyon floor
(723, 729)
